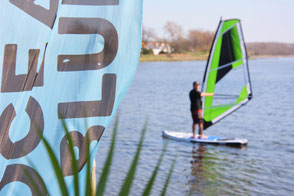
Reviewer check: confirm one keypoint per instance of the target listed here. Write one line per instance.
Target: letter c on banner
(21, 148)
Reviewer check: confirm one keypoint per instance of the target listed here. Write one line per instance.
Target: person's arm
(206, 94)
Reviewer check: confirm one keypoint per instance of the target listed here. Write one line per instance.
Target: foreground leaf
(148, 188)
(73, 158)
(131, 174)
(34, 183)
(106, 169)
(168, 177)
(56, 167)
(88, 173)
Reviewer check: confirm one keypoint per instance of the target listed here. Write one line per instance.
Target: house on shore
(157, 47)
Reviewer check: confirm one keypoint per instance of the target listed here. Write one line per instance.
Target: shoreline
(173, 57)
(197, 57)
(269, 56)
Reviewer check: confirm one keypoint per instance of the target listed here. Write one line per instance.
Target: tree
(200, 40)
(174, 31)
(148, 34)
(270, 48)
(175, 36)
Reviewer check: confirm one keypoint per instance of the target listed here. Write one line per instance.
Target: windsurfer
(196, 108)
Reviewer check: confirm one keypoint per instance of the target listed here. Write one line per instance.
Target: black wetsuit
(196, 106)
(195, 98)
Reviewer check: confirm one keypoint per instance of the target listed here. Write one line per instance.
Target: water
(159, 93)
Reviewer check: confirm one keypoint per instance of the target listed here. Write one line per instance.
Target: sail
(71, 59)
(226, 74)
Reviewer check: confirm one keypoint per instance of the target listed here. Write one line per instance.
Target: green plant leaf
(74, 163)
(106, 169)
(148, 187)
(88, 173)
(163, 192)
(125, 189)
(55, 165)
(34, 184)
(88, 188)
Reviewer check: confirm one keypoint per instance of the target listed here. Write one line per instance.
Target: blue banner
(61, 58)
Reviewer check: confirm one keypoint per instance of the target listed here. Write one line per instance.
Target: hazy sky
(262, 20)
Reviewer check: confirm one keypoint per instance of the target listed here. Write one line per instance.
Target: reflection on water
(198, 169)
(203, 179)
(210, 168)
(198, 155)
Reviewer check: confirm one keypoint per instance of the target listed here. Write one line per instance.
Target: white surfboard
(187, 137)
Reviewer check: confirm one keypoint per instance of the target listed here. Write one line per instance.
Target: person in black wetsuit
(196, 109)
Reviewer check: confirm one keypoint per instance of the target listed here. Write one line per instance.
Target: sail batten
(226, 74)
(226, 65)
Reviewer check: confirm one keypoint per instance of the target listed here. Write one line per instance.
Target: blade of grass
(88, 175)
(106, 169)
(73, 157)
(54, 162)
(88, 188)
(33, 181)
(148, 188)
(168, 177)
(131, 174)
(34, 184)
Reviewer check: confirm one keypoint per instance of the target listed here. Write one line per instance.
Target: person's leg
(202, 136)
(194, 117)
(193, 129)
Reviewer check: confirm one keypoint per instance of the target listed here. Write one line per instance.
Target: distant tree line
(196, 40)
(270, 48)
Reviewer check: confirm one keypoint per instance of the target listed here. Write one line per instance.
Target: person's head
(196, 85)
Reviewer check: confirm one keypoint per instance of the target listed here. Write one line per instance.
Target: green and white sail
(226, 74)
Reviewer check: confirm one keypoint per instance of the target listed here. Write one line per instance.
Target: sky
(262, 20)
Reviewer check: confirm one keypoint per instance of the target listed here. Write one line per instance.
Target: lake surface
(159, 93)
